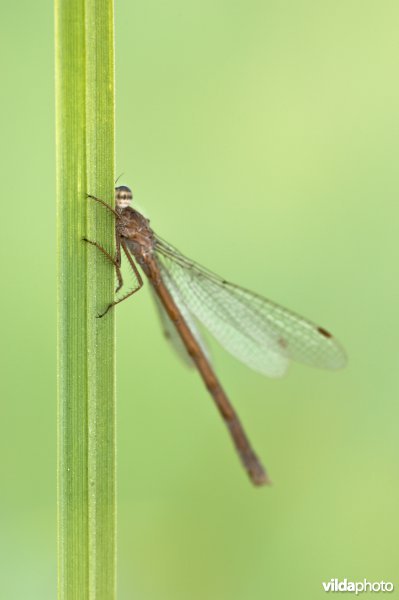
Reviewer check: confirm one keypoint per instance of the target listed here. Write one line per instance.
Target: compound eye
(123, 196)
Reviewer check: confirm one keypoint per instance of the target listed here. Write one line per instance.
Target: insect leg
(115, 261)
(136, 289)
(105, 204)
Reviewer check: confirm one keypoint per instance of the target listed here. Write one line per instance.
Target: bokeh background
(262, 140)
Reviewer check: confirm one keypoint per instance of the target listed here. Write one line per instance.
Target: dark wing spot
(282, 343)
(324, 332)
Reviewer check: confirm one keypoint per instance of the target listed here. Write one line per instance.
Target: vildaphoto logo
(357, 587)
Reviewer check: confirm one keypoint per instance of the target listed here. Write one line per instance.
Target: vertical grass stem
(86, 345)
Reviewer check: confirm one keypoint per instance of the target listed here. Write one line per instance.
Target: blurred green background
(262, 140)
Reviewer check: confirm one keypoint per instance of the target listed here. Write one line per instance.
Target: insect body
(260, 333)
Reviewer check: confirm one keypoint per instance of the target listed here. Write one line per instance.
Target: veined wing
(258, 332)
(169, 329)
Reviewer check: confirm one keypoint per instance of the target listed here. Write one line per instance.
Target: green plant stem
(86, 415)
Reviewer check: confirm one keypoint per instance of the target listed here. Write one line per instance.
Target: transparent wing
(258, 332)
(169, 329)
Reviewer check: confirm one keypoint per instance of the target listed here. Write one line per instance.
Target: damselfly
(258, 332)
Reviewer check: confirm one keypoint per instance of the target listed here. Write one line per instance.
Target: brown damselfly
(258, 332)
